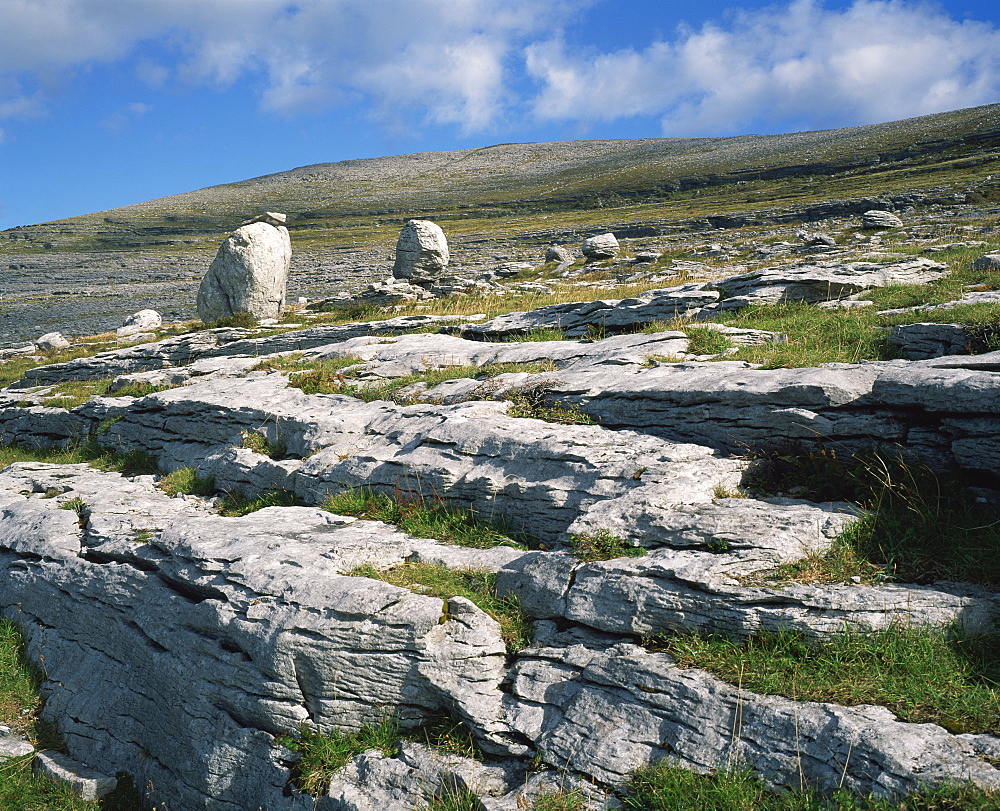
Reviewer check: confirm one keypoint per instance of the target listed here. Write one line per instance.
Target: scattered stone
(602, 246)
(645, 257)
(421, 252)
(270, 217)
(990, 261)
(880, 219)
(50, 341)
(16, 351)
(137, 338)
(248, 274)
(87, 783)
(12, 746)
(816, 238)
(142, 321)
(557, 253)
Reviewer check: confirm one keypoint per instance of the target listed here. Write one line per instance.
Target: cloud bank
(489, 65)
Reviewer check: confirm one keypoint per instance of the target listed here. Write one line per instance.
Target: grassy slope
(521, 189)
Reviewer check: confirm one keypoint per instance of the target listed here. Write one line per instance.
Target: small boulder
(990, 261)
(645, 257)
(142, 321)
(815, 238)
(50, 341)
(248, 274)
(880, 219)
(270, 217)
(603, 246)
(421, 252)
(557, 253)
(85, 782)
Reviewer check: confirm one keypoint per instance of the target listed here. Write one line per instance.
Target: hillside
(507, 189)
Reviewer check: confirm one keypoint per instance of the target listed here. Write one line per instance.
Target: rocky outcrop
(180, 645)
(421, 252)
(248, 274)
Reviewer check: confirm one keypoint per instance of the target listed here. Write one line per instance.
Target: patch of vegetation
(923, 675)
(138, 390)
(448, 735)
(235, 504)
(322, 755)
(706, 341)
(424, 519)
(258, 443)
(920, 526)
(840, 564)
(477, 586)
(131, 463)
(454, 798)
(560, 801)
(186, 481)
(664, 786)
(541, 334)
(75, 393)
(533, 402)
(602, 545)
(240, 320)
(332, 381)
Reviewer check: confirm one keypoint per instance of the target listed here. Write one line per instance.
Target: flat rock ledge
(180, 644)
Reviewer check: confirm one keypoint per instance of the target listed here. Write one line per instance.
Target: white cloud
(421, 60)
(461, 62)
(876, 60)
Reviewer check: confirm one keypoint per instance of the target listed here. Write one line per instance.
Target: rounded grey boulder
(603, 246)
(421, 252)
(880, 219)
(248, 274)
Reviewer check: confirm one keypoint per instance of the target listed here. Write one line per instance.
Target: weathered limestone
(602, 246)
(141, 321)
(421, 252)
(605, 709)
(929, 340)
(50, 341)
(989, 261)
(85, 783)
(248, 274)
(557, 253)
(880, 219)
(217, 634)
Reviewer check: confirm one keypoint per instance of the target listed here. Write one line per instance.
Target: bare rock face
(421, 252)
(603, 246)
(248, 274)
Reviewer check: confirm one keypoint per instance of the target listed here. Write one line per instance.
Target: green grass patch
(923, 675)
(322, 755)
(560, 801)
(664, 786)
(920, 526)
(240, 320)
(258, 443)
(447, 734)
(706, 341)
(235, 504)
(424, 519)
(474, 585)
(602, 545)
(186, 481)
(130, 463)
(454, 798)
(533, 402)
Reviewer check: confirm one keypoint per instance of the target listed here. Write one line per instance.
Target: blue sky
(109, 102)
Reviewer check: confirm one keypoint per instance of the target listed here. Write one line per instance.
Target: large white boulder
(603, 246)
(248, 274)
(421, 252)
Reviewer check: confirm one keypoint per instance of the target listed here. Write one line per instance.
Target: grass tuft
(424, 519)
(923, 675)
(322, 755)
(234, 504)
(186, 481)
(477, 586)
(602, 545)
